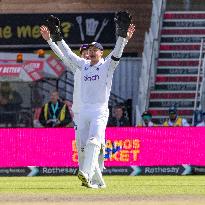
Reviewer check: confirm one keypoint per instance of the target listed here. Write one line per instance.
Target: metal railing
(200, 82)
(149, 56)
(16, 118)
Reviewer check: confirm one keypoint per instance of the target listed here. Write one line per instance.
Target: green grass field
(142, 190)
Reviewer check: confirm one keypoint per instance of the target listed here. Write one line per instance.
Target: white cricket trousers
(92, 124)
(77, 139)
(92, 127)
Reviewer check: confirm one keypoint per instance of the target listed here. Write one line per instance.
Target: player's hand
(130, 31)
(45, 33)
(123, 20)
(53, 25)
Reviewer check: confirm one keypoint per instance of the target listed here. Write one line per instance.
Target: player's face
(95, 54)
(85, 55)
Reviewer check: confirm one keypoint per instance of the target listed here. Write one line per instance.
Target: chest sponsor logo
(91, 78)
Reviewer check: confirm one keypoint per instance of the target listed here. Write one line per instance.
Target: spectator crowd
(58, 113)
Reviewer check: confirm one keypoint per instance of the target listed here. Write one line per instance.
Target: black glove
(53, 24)
(122, 20)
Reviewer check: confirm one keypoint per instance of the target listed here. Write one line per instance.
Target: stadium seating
(177, 66)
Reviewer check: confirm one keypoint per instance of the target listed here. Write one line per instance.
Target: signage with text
(23, 29)
(124, 147)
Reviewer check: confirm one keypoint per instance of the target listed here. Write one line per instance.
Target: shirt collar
(99, 63)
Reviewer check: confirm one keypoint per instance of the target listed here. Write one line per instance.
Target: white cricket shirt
(96, 80)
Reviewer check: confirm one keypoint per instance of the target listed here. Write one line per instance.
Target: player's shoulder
(86, 64)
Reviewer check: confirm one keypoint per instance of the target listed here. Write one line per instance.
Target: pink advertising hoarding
(124, 147)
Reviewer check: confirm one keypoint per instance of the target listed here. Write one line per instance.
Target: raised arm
(53, 24)
(67, 52)
(121, 43)
(130, 32)
(124, 31)
(113, 61)
(73, 63)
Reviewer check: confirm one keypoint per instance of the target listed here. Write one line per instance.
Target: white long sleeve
(55, 49)
(76, 61)
(119, 47)
(120, 51)
(61, 55)
(69, 58)
(113, 61)
(77, 102)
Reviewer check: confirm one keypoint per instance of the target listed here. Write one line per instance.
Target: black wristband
(114, 58)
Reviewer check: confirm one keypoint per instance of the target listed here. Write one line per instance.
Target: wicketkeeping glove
(53, 24)
(122, 20)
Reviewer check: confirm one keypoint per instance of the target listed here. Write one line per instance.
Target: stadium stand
(178, 62)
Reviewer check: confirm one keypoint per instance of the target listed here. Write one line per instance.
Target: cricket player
(96, 81)
(77, 102)
(76, 108)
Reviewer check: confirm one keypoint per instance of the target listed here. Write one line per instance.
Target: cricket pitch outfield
(121, 190)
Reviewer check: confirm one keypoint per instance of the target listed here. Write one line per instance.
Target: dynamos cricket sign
(128, 151)
(124, 147)
(23, 29)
